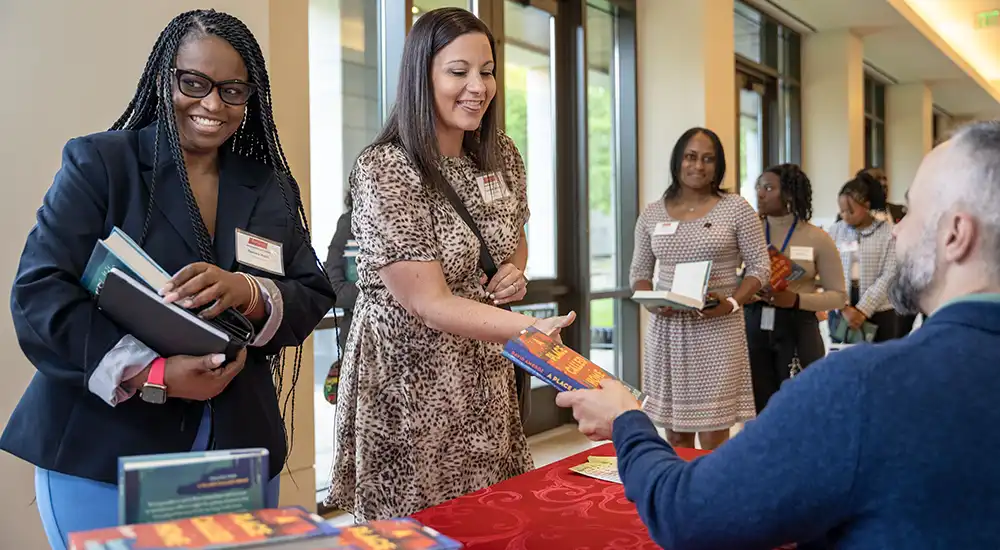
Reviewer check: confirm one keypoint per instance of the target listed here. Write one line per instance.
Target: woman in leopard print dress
(427, 409)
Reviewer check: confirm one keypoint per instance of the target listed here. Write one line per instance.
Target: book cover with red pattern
(218, 531)
(556, 364)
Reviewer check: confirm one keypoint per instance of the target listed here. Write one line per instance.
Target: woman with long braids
(191, 170)
(782, 328)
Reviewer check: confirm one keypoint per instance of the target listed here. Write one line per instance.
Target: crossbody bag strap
(485, 260)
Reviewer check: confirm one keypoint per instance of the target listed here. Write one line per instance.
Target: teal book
(351, 261)
(166, 487)
(842, 333)
(119, 251)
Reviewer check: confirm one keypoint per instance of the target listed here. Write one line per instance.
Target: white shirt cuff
(127, 359)
(275, 307)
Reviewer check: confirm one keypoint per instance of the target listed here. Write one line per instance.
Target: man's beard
(914, 275)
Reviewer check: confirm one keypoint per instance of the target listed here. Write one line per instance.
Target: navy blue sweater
(878, 446)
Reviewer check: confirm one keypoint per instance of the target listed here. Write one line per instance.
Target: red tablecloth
(550, 508)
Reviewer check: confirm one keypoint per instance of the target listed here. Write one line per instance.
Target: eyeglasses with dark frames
(197, 85)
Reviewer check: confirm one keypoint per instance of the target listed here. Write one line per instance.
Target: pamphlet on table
(604, 468)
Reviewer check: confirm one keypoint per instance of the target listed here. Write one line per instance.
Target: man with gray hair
(876, 446)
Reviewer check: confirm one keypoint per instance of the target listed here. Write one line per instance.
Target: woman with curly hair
(782, 327)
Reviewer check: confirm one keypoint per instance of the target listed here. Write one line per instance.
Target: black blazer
(104, 182)
(346, 291)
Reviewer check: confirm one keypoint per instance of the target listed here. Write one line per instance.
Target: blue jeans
(68, 504)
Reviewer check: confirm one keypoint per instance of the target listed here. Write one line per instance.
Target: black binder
(169, 329)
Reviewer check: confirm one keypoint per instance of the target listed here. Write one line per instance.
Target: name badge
(665, 228)
(767, 318)
(492, 187)
(801, 253)
(849, 246)
(259, 253)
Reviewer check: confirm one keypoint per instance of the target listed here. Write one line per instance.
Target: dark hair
(411, 123)
(796, 189)
(677, 158)
(872, 171)
(257, 138)
(865, 189)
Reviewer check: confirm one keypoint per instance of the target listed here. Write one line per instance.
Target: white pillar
(833, 116)
(687, 77)
(909, 127)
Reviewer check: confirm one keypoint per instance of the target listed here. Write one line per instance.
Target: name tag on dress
(767, 318)
(259, 253)
(849, 246)
(665, 228)
(801, 253)
(492, 187)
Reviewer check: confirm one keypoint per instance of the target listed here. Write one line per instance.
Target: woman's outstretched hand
(553, 325)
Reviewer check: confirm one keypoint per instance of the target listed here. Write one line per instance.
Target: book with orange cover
(556, 364)
(233, 530)
(389, 534)
(400, 534)
(783, 270)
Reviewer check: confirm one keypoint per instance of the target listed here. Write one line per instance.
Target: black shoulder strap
(485, 260)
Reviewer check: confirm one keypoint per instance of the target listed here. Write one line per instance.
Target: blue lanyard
(788, 237)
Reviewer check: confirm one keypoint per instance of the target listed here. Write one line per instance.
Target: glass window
(602, 334)
(772, 53)
(602, 173)
(529, 119)
(751, 143)
(874, 123)
(421, 7)
(344, 117)
(747, 28)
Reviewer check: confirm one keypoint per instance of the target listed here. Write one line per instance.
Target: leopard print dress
(424, 416)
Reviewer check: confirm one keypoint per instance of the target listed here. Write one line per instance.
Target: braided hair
(257, 138)
(865, 190)
(796, 189)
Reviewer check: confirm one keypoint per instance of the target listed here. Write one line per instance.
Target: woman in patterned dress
(696, 368)
(427, 409)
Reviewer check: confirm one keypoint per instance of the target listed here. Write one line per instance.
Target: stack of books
(126, 283)
(288, 528)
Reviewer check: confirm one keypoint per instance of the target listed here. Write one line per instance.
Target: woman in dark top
(336, 269)
(194, 173)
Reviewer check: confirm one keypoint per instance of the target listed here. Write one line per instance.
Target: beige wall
(69, 69)
(687, 77)
(909, 127)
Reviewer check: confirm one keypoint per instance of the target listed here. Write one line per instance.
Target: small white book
(687, 291)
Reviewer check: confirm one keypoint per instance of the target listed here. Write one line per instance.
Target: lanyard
(788, 236)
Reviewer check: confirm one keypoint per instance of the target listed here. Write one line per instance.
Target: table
(550, 508)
